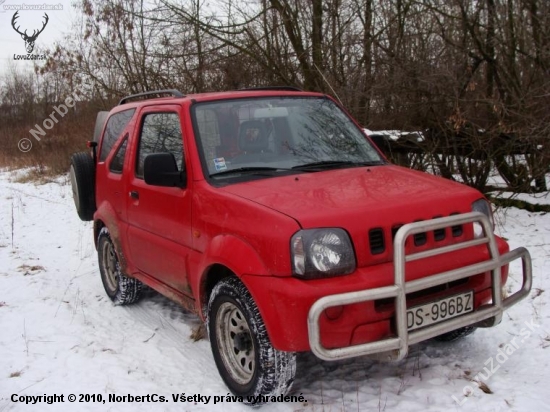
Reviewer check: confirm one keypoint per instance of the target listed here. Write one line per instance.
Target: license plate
(440, 310)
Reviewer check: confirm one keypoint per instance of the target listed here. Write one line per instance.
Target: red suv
(272, 216)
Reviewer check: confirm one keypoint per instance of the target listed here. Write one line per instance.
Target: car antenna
(327, 82)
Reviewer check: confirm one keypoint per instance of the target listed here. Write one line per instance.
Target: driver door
(159, 218)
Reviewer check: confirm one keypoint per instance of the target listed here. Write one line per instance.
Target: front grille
(377, 236)
(376, 241)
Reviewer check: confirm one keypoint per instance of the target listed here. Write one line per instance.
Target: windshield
(278, 135)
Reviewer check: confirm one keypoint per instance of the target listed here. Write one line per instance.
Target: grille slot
(420, 239)
(439, 234)
(394, 230)
(456, 230)
(376, 241)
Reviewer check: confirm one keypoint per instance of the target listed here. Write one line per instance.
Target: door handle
(134, 194)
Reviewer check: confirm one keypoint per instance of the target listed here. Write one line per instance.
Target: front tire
(246, 360)
(121, 289)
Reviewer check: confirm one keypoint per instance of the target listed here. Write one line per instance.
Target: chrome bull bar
(396, 348)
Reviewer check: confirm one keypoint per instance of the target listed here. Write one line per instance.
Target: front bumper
(395, 348)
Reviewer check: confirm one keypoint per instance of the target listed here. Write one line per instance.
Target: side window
(118, 160)
(160, 133)
(115, 125)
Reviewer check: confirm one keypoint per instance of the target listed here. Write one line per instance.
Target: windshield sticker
(219, 164)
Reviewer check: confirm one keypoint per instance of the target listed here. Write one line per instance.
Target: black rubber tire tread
(275, 370)
(128, 289)
(84, 172)
(456, 334)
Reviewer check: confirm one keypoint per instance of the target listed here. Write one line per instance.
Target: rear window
(115, 126)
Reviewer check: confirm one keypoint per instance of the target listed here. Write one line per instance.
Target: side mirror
(160, 169)
(380, 141)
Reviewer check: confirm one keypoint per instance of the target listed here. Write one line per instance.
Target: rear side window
(160, 133)
(115, 126)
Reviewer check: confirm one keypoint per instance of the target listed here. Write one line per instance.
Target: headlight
(321, 252)
(484, 207)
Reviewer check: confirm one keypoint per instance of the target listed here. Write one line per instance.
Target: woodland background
(471, 78)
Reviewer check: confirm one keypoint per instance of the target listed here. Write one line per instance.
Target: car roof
(213, 96)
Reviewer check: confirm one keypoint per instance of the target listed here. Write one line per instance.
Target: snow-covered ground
(59, 334)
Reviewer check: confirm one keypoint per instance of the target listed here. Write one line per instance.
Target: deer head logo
(29, 40)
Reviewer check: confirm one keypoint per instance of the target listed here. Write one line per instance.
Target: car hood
(344, 197)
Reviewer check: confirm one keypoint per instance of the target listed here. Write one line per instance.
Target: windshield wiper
(250, 169)
(329, 164)
(308, 167)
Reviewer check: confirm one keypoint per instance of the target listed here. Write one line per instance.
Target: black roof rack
(280, 88)
(171, 92)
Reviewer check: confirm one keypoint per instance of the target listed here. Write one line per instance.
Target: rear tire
(456, 334)
(82, 174)
(247, 362)
(121, 289)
